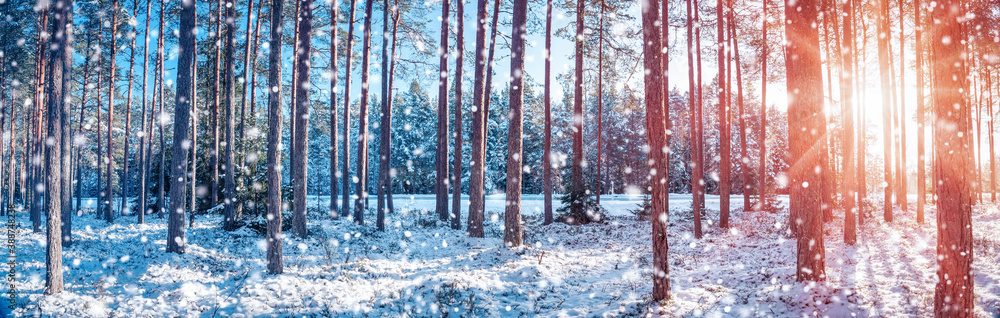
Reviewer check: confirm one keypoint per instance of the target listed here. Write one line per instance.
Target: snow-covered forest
(397, 158)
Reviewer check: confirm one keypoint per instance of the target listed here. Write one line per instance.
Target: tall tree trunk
(762, 203)
(123, 204)
(921, 152)
(993, 166)
(512, 214)
(213, 156)
(441, 156)
(547, 152)
(954, 295)
(182, 113)
(846, 100)
(600, 100)
(362, 186)
(655, 106)
(885, 74)
(862, 122)
(194, 135)
(724, 133)
(99, 151)
(161, 185)
(68, 222)
(241, 127)
(392, 72)
(274, 237)
(38, 114)
(694, 89)
(300, 165)
(576, 208)
(57, 154)
(479, 116)
(805, 113)
(828, 168)
(902, 115)
(345, 189)
(109, 215)
(744, 158)
(253, 110)
(144, 135)
(335, 171)
(456, 180)
(230, 218)
(293, 113)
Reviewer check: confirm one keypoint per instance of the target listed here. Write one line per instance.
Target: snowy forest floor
(419, 267)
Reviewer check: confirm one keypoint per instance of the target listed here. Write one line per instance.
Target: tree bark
(456, 180)
(547, 152)
(744, 158)
(477, 164)
(362, 186)
(161, 201)
(762, 203)
(178, 175)
(600, 100)
(230, 218)
(921, 152)
(883, 61)
(335, 171)
(213, 164)
(954, 295)
(512, 215)
(346, 180)
(274, 237)
(441, 157)
(724, 133)
(144, 135)
(57, 156)
(123, 204)
(846, 100)
(576, 208)
(805, 115)
(300, 166)
(109, 215)
(656, 135)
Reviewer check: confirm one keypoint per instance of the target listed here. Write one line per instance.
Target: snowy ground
(420, 267)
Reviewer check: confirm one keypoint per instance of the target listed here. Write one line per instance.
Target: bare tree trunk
(902, 115)
(109, 215)
(274, 264)
(846, 100)
(805, 85)
(954, 293)
(362, 186)
(883, 58)
(68, 221)
(194, 136)
(123, 204)
(248, 68)
(335, 172)
(921, 152)
(744, 158)
(697, 165)
(600, 99)
(161, 201)
(993, 166)
(144, 135)
(762, 203)
(547, 155)
(655, 111)
(230, 218)
(576, 208)
(512, 214)
(724, 133)
(345, 189)
(300, 166)
(392, 72)
(182, 113)
(38, 114)
(441, 156)
(99, 151)
(456, 180)
(57, 154)
(213, 157)
(479, 116)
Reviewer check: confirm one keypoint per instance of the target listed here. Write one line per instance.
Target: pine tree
(230, 219)
(345, 185)
(456, 181)
(547, 156)
(362, 186)
(335, 172)
(477, 163)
